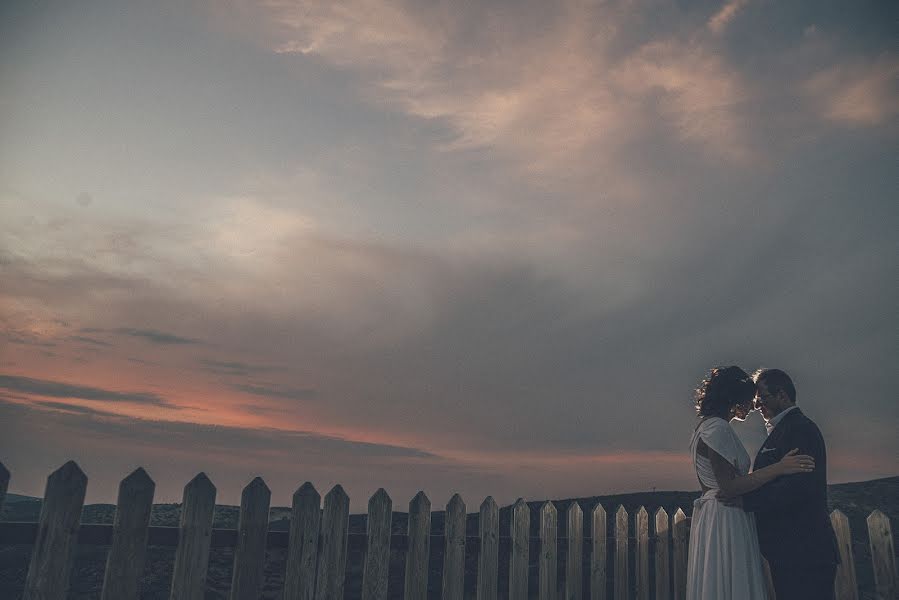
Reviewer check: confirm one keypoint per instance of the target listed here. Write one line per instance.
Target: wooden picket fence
(317, 545)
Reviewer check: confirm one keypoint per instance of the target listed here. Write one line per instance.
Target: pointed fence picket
(302, 550)
(4, 484)
(598, 560)
(883, 556)
(125, 563)
(488, 561)
(549, 530)
(195, 536)
(377, 555)
(518, 562)
(845, 586)
(419, 548)
(454, 550)
(662, 565)
(573, 577)
(318, 542)
(51, 558)
(621, 579)
(249, 557)
(331, 573)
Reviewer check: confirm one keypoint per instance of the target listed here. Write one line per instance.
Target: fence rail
(319, 541)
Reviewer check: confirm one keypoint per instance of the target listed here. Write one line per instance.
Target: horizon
(436, 507)
(489, 249)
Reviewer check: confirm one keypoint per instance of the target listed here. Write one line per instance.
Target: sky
(485, 247)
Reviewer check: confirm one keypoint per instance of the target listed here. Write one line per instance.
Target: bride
(724, 560)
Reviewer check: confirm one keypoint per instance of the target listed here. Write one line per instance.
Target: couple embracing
(775, 506)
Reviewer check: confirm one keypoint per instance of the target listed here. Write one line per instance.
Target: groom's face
(767, 403)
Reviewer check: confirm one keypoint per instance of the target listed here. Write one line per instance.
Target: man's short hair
(775, 381)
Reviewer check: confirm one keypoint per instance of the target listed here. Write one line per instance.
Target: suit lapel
(771, 452)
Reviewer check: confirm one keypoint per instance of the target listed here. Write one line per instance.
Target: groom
(794, 528)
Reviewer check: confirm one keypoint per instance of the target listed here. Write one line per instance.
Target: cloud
(721, 19)
(857, 93)
(540, 86)
(156, 337)
(42, 387)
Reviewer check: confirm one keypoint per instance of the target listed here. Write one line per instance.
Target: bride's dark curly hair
(722, 389)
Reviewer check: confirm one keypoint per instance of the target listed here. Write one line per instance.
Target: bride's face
(740, 411)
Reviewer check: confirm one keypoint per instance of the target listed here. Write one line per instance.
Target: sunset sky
(479, 247)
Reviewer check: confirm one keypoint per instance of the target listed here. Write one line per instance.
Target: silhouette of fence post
(641, 522)
(488, 561)
(125, 564)
(302, 552)
(417, 554)
(377, 556)
(331, 573)
(574, 582)
(680, 539)
(845, 585)
(598, 559)
(454, 549)
(518, 562)
(548, 564)
(4, 484)
(663, 573)
(51, 557)
(621, 571)
(192, 555)
(883, 556)
(249, 557)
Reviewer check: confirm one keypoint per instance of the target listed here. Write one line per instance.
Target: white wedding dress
(724, 562)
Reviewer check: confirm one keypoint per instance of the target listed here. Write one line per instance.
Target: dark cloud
(156, 337)
(88, 340)
(73, 408)
(42, 387)
(273, 391)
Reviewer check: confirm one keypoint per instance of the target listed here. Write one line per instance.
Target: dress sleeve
(718, 435)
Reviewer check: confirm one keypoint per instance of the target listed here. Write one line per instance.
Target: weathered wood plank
(51, 557)
(249, 557)
(621, 581)
(192, 555)
(331, 575)
(883, 556)
(454, 549)
(302, 553)
(641, 566)
(574, 581)
(598, 559)
(548, 565)
(377, 555)
(680, 543)
(4, 483)
(488, 561)
(518, 561)
(416, 584)
(845, 585)
(125, 564)
(662, 569)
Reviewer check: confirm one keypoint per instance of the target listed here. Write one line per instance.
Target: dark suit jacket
(791, 511)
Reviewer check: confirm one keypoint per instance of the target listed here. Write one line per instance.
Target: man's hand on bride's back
(793, 463)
